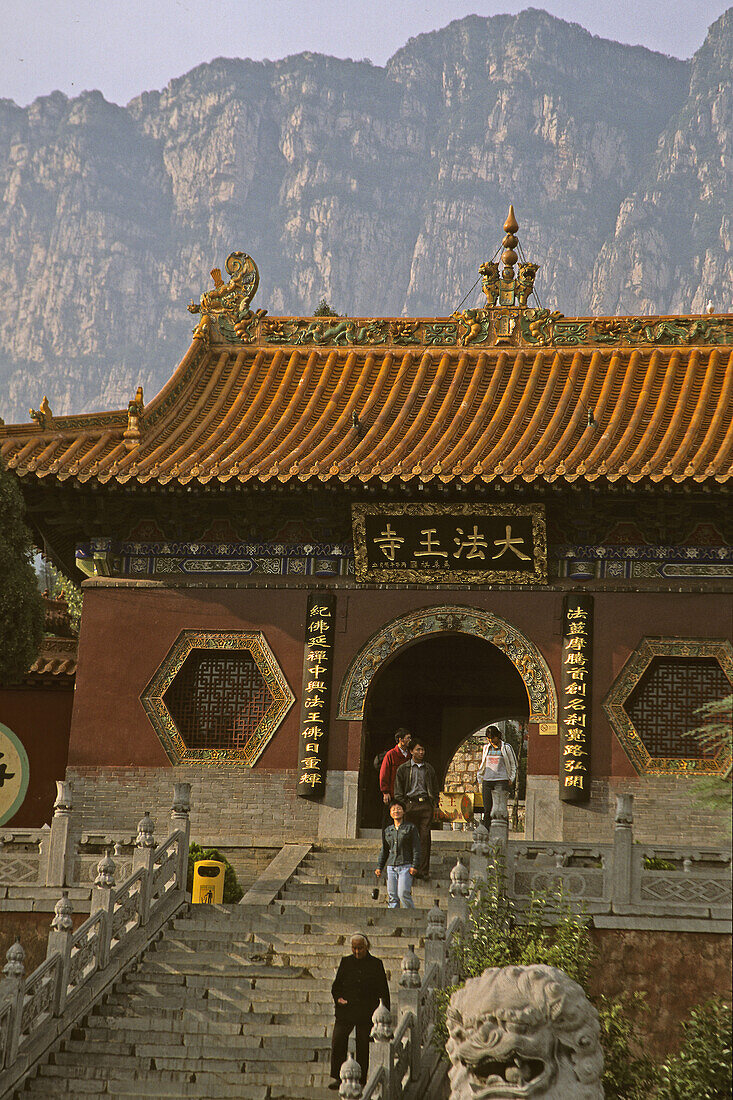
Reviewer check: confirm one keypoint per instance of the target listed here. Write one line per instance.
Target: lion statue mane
(523, 1031)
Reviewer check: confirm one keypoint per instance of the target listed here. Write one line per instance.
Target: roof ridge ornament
(132, 433)
(43, 415)
(507, 289)
(225, 309)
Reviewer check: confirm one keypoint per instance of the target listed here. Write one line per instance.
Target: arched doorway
(442, 687)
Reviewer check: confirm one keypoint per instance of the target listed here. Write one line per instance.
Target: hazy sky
(124, 47)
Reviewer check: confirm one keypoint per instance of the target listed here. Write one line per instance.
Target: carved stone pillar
(143, 856)
(59, 940)
(103, 893)
(458, 891)
(181, 819)
(499, 826)
(435, 939)
(350, 1080)
(58, 866)
(623, 850)
(382, 1034)
(12, 988)
(479, 860)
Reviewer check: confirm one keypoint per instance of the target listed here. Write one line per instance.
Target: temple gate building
(324, 528)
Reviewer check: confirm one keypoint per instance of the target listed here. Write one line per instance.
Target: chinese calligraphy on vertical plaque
(450, 543)
(315, 699)
(575, 701)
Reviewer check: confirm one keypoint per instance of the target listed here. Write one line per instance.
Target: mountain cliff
(381, 188)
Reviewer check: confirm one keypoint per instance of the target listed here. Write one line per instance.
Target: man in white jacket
(498, 767)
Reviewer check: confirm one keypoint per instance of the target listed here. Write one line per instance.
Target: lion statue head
(524, 1031)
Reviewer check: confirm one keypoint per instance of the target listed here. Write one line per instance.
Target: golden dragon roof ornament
(226, 307)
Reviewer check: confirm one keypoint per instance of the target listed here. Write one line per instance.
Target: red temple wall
(41, 719)
(128, 628)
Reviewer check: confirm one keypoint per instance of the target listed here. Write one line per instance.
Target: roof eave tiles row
(470, 415)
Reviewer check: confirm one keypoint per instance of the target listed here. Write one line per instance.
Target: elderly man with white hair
(360, 984)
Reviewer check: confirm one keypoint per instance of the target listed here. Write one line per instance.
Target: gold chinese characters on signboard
(450, 543)
(315, 699)
(575, 698)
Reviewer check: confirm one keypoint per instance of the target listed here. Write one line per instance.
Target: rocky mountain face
(381, 188)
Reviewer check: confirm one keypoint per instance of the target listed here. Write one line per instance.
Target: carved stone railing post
(381, 1053)
(499, 825)
(181, 818)
(350, 1088)
(623, 850)
(12, 989)
(143, 857)
(435, 939)
(408, 1000)
(479, 859)
(58, 864)
(458, 891)
(103, 899)
(59, 940)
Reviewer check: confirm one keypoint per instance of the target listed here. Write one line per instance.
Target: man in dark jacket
(360, 984)
(401, 855)
(416, 784)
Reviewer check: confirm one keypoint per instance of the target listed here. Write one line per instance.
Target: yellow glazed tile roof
(366, 413)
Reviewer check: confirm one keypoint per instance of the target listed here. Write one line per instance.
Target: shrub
(701, 1070)
(233, 892)
(628, 1074)
(549, 932)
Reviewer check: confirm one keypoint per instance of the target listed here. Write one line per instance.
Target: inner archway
(441, 688)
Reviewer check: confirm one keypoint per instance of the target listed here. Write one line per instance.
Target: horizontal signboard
(450, 543)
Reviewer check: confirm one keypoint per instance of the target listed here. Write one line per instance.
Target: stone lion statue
(524, 1031)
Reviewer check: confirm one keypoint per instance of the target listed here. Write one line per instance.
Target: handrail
(79, 965)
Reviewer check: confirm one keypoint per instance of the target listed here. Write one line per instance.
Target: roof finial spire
(509, 256)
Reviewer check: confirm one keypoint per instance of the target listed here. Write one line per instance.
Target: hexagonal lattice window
(655, 703)
(217, 698)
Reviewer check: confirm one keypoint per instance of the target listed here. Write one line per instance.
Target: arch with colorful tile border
(447, 619)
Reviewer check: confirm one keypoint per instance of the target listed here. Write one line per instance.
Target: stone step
(280, 956)
(194, 1047)
(323, 942)
(234, 1001)
(259, 1065)
(121, 1031)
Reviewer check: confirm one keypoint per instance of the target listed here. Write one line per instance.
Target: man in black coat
(360, 984)
(416, 785)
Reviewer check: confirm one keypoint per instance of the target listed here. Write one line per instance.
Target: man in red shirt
(392, 760)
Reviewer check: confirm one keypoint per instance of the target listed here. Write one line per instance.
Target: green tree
(715, 733)
(59, 585)
(323, 309)
(21, 606)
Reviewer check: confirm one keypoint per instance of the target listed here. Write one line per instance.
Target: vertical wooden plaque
(576, 698)
(315, 697)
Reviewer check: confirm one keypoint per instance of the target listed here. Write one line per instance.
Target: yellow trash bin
(208, 882)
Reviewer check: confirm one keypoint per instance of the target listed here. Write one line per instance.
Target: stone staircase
(234, 1001)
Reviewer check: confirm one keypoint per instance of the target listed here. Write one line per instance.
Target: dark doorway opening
(441, 688)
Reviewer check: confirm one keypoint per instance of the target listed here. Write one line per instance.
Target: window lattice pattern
(217, 700)
(662, 706)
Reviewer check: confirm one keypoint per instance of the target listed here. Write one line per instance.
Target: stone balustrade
(79, 965)
(616, 884)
